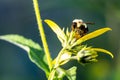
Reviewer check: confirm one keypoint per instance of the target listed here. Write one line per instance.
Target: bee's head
(78, 23)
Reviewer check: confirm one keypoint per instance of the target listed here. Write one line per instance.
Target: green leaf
(35, 52)
(60, 73)
(71, 73)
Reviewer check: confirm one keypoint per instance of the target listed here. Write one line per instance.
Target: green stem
(42, 34)
(58, 58)
(52, 73)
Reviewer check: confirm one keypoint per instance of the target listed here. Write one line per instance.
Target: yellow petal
(103, 50)
(59, 32)
(92, 35)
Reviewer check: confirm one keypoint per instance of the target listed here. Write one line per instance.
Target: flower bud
(87, 56)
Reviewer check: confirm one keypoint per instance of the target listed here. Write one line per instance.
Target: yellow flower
(75, 47)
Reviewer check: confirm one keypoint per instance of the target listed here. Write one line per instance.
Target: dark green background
(17, 17)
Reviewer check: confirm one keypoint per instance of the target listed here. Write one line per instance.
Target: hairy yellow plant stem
(42, 34)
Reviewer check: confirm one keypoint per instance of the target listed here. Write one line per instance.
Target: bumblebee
(79, 27)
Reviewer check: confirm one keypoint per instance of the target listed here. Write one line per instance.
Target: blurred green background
(17, 17)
